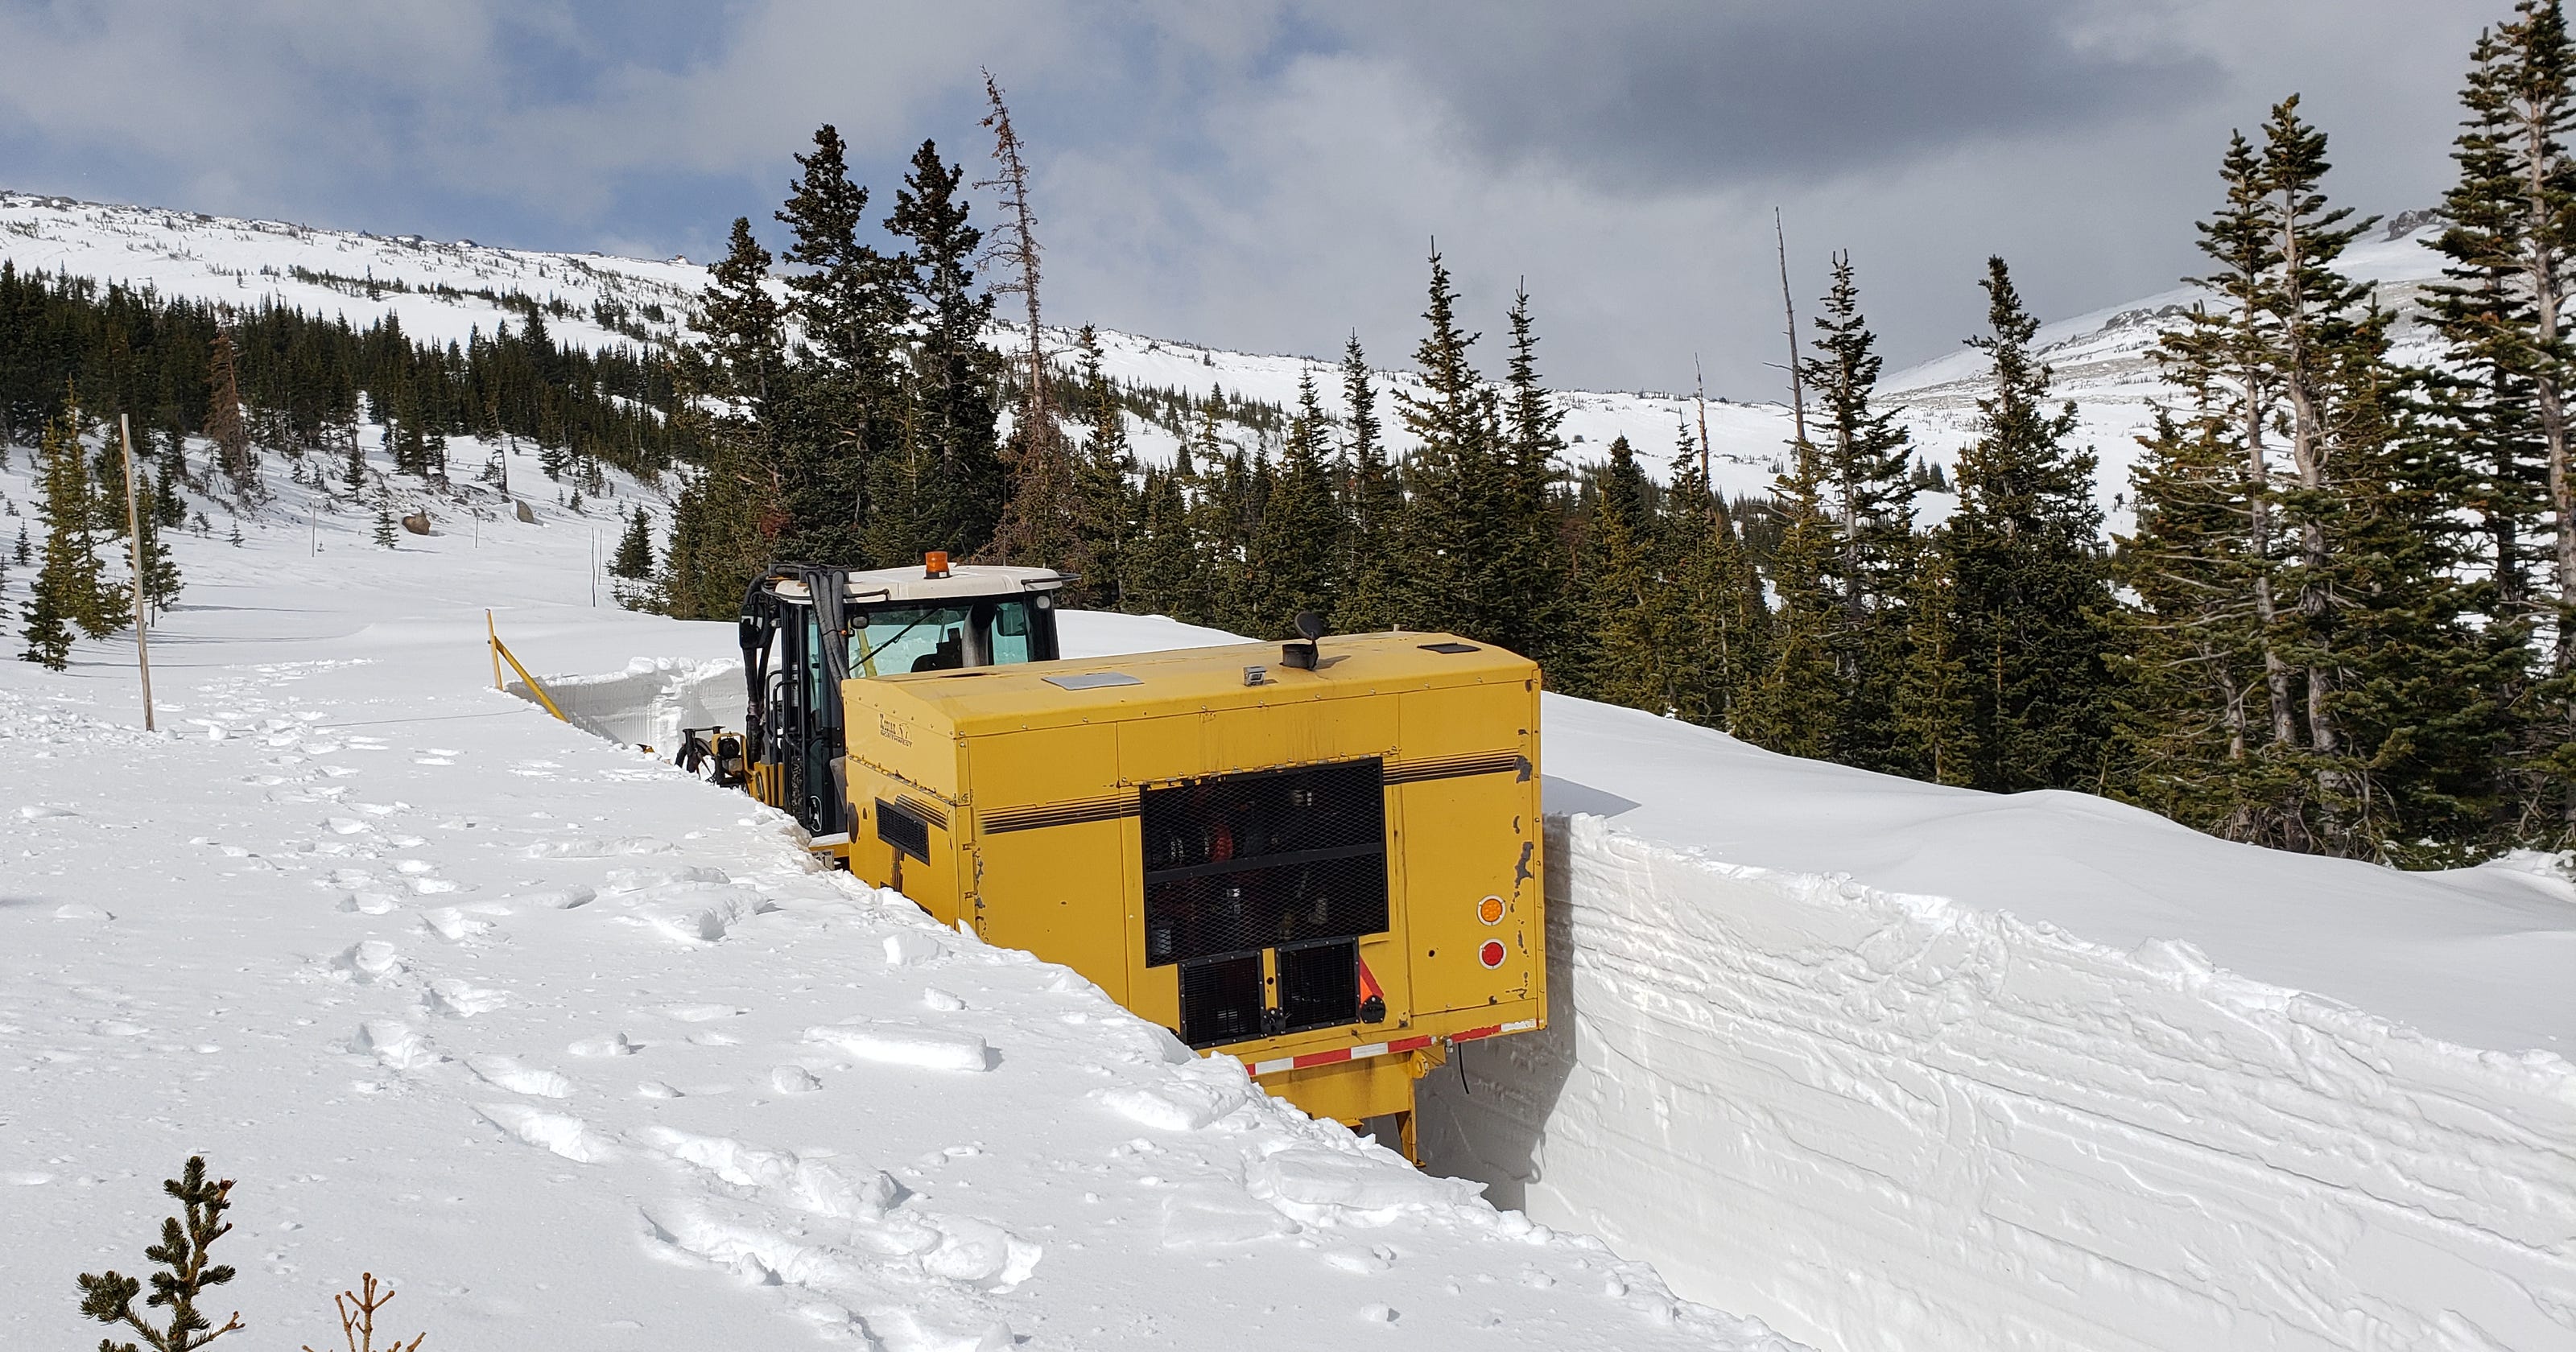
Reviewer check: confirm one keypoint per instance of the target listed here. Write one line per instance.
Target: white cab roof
(964, 581)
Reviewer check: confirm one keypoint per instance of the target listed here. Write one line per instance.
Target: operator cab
(806, 628)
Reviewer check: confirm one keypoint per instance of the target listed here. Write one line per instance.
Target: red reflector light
(1491, 954)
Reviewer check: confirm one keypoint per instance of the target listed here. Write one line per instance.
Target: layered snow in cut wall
(1892, 1066)
(574, 1050)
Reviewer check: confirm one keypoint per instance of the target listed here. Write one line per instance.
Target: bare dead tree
(224, 424)
(1037, 524)
(1797, 378)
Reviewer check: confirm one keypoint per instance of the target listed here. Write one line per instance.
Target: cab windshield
(888, 640)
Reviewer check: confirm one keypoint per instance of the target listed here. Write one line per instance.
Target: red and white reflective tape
(1396, 1047)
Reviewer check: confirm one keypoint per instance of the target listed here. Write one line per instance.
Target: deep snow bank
(1882, 1121)
(648, 703)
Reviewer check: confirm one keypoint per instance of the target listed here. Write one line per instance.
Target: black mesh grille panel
(1319, 985)
(900, 828)
(1259, 860)
(1221, 1000)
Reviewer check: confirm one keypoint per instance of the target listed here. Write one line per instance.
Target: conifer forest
(2343, 623)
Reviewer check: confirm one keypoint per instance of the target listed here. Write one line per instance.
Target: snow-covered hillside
(577, 1051)
(581, 1052)
(444, 291)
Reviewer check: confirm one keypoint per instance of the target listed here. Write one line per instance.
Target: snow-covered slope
(487, 1003)
(447, 290)
(442, 292)
(1894, 1066)
(577, 1051)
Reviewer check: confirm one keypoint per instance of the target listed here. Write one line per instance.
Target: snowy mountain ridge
(446, 291)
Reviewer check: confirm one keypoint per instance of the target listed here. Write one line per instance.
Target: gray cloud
(1654, 95)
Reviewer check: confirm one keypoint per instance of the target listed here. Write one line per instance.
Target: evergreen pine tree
(2504, 397)
(1373, 503)
(1625, 656)
(160, 580)
(1530, 557)
(951, 374)
(846, 306)
(634, 557)
(1106, 505)
(386, 533)
(2031, 587)
(1935, 712)
(1462, 498)
(1162, 569)
(1720, 636)
(727, 524)
(1870, 500)
(70, 591)
(1795, 707)
(1298, 546)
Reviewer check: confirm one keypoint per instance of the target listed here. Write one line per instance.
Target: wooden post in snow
(134, 537)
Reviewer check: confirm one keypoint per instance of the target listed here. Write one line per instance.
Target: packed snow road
(579, 1052)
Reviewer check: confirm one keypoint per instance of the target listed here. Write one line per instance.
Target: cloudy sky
(1269, 174)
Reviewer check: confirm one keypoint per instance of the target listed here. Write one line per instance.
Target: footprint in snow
(368, 960)
(561, 1133)
(453, 924)
(614, 1044)
(793, 1080)
(395, 1043)
(700, 1013)
(911, 948)
(464, 999)
(510, 1073)
(907, 1045)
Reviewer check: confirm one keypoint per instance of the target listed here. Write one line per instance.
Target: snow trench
(1889, 1122)
(648, 704)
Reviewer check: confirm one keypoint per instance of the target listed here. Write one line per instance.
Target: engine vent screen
(1221, 1000)
(1319, 985)
(1260, 860)
(906, 832)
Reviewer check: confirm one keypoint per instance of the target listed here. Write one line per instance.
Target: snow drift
(1891, 1122)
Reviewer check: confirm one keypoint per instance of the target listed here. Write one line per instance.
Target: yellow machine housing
(1333, 873)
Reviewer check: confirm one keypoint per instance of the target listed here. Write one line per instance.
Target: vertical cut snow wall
(648, 703)
(1886, 1122)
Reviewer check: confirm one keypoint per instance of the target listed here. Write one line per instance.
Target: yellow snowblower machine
(1322, 857)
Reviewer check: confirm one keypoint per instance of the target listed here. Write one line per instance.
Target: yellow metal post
(501, 653)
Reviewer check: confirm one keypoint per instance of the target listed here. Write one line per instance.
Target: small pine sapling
(385, 527)
(109, 1298)
(358, 1318)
